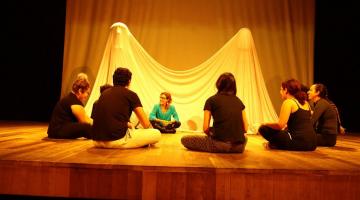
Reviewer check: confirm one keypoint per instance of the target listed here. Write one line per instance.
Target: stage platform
(32, 165)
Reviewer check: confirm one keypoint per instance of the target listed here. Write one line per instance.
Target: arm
(284, 116)
(206, 123)
(144, 121)
(319, 109)
(175, 115)
(245, 121)
(153, 113)
(80, 114)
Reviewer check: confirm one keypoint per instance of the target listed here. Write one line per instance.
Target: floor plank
(32, 164)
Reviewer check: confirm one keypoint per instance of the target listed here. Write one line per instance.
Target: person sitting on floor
(325, 118)
(102, 89)
(294, 130)
(229, 121)
(69, 120)
(160, 116)
(112, 127)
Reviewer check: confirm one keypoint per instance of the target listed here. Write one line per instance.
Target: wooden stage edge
(32, 165)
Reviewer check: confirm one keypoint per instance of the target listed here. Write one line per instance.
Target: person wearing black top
(227, 135)
(325, 119)
(69, 120)
(294, 130)
(112, 127)
(102, 89)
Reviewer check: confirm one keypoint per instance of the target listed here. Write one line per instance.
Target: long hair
(293, 87)
(226, 84)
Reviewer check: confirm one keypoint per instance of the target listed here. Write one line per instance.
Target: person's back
(229, 121)
(102, 89)
(227, 114)
(328, 121)
(62, 114)
(300, 127)
(341, 129)
(112, 127)
(112, 114)
(293, 131)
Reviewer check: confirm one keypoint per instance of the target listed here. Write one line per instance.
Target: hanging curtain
(183, 34)
(189, 88)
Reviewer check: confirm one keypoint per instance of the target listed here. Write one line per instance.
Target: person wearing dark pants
(294, 130)
(164, 116)
(69, 120)
(325, 118)
(227, 135)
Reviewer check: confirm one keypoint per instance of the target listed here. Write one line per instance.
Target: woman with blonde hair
(69, 120)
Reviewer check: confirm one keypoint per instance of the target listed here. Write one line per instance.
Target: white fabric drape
(189, 88)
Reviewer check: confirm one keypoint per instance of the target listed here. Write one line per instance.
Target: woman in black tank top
(294, 130)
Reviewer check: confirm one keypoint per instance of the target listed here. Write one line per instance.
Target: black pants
(328, 140)
(72, 131)
(207, 144)
(281, 139)
(169, 128)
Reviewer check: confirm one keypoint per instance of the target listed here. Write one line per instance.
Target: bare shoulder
(289, 102)
(306, 106)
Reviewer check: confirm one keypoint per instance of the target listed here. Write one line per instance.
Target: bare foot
(269, 146)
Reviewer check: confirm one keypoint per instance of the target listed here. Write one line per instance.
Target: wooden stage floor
(30, 164)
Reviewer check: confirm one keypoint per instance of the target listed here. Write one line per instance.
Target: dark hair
(293, 87)
(122, 76)
(226, 84)
(305, 89)
(104, 87)
(321, 88)
(81, 83)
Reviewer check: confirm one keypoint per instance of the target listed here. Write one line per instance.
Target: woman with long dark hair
(294, 130)
(227, 135)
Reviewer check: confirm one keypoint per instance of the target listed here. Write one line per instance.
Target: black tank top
(300, 127)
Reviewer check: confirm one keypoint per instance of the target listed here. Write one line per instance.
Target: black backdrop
(32, 42)
(336, 60)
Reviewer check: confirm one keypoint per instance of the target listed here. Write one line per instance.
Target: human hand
(130, 125)
(165, 123)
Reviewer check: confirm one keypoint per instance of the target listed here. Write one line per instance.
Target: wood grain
(32, 164)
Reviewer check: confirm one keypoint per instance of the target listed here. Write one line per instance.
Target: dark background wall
(336, 56)
(32, 42)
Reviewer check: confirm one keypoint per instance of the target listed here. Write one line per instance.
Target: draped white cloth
(189, 88)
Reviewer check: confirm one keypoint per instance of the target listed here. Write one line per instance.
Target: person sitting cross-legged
(161, 114)
(112, 127)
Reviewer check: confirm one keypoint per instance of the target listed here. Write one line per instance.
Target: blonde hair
(81, 83)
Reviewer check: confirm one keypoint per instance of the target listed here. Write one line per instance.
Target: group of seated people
(306, 120)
